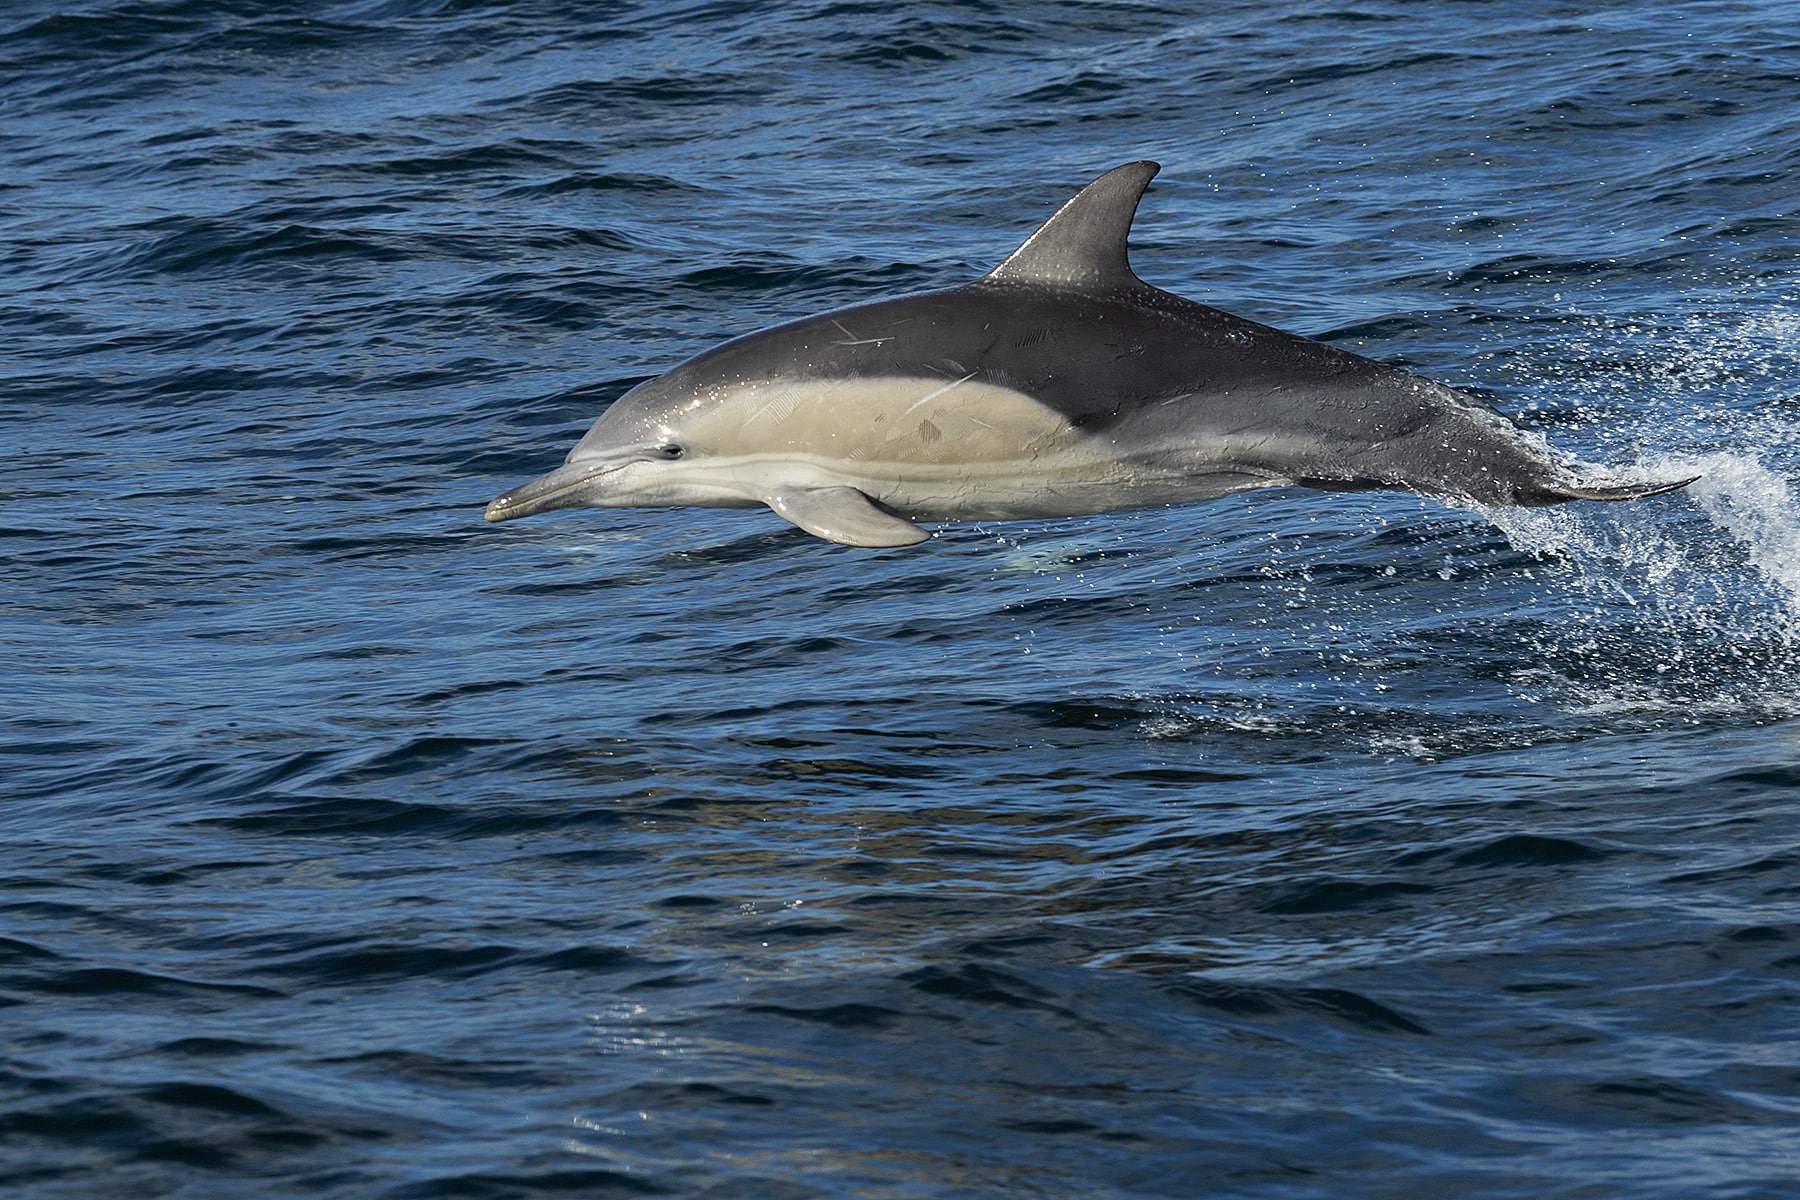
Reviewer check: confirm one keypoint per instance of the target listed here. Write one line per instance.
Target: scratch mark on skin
(934, 395)
(856, 341)
(780, 407)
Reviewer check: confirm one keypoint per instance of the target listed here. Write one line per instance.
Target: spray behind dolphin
(1058, 384)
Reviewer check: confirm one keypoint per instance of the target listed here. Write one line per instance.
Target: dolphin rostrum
(1057, 384)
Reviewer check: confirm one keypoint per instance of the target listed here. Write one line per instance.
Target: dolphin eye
(670, 450)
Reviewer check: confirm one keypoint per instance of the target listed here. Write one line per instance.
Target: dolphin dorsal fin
(1083, 245)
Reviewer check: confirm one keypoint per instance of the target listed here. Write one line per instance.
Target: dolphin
(1057, 384)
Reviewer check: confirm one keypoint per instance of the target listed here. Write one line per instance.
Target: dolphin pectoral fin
(846, 516)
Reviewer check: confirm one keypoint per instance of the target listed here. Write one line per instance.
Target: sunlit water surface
(1293, 845)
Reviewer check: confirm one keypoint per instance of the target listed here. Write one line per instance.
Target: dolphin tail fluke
(1541, 495)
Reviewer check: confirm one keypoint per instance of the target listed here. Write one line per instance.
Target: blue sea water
(1294, 845)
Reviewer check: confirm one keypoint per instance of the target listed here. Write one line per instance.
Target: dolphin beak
(561, 488)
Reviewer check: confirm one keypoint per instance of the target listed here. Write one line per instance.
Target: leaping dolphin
(1057, 384)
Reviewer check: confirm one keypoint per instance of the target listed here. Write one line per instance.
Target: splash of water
(1694, 616)
(1759, 509)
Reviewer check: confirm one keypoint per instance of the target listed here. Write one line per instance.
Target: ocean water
(1294, 845)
